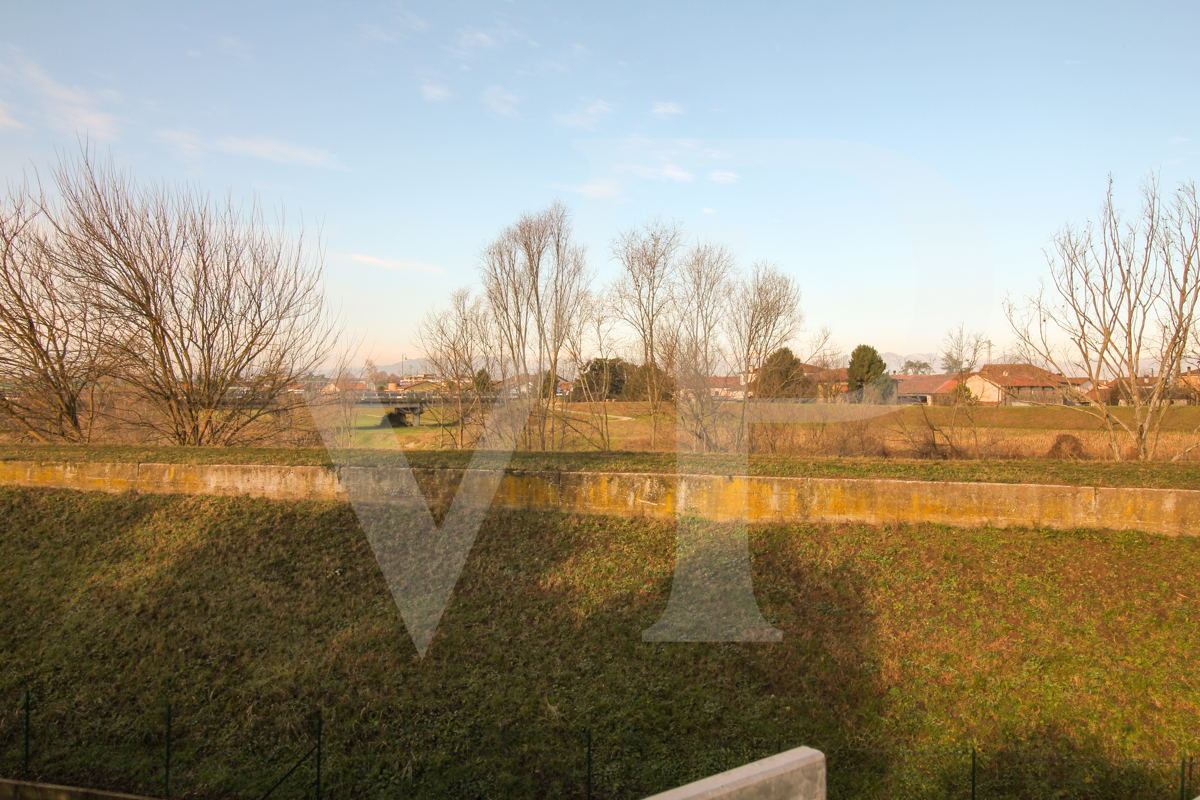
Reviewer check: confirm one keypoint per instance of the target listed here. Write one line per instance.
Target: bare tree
(333, 404)
(534, 278)
(821, 350)
(1124, 300)
(591, 339)
(704, 277)
(962, 351)
(457, 344)
(960, 354)
(763, 315)
(51, 359)
(213, 312)
(644, 293)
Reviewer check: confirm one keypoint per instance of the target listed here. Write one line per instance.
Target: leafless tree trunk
(1126, 294)
(764, 314)
(458, 344)
(213, 313)
(705, 274)
(644, 294)
(51, 358)
(961, 352)
(534, 277)
(821, 351)
(333, 404)
(592, 336)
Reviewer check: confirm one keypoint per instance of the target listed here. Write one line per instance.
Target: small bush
(1067, 447)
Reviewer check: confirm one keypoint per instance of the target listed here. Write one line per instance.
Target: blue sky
(908, 163)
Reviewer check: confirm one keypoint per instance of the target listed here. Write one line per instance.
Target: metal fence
(210, 752)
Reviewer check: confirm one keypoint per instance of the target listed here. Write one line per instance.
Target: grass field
(248, 616)
(1020, 430)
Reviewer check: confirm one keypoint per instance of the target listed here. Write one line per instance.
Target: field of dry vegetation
(968, 432)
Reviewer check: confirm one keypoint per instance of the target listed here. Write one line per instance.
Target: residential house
(727, 386)
(1023, 384)
(335, 387)
(418, 386)
(831, 383)
(926, 390)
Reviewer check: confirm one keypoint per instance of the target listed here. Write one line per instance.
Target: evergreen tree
(782, 375)
(482, 382)
(865, 366)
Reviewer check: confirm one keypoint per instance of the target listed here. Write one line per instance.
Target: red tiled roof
(1021, 376)
(724, 382)
(832, 375)
(925, 384)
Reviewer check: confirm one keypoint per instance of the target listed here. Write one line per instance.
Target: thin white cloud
(435, 92)
(398, 264)
(186, 146)
(70, 109)
(411, 21)
(675, 173)
(375, 33)
(1178, 139)
(499, 100)
(666, 110)
(471, 41)
(6, 119)
(586, 117)
(668, 172)
(708, 211)
(277, 151)
(723, 176)
(190, 147)
(402, 22)
(601, 188)
(236, 48)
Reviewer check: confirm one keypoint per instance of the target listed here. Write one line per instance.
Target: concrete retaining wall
(794, 775)
(1173, 512)
(20, 790)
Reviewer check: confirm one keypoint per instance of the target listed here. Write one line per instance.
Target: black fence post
(167, 760)
(972, 772)
(1183, 765)
(26, 762)
(319, 726)
(589, 764)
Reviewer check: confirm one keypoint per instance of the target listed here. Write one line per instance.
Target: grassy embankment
(1155, 474)
(249, 616)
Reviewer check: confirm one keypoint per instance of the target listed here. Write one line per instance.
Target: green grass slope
(250, 617)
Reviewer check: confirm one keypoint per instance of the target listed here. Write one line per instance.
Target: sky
(908, 163)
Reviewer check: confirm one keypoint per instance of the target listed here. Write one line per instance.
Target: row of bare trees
(151, 309)
(681, 309)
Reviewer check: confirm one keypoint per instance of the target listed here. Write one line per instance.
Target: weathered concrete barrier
(1173, 512)
(20, 790)
(793, 775)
